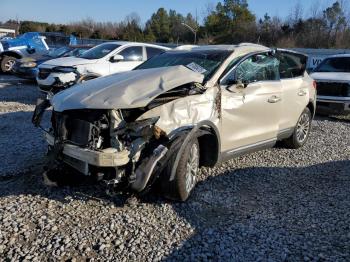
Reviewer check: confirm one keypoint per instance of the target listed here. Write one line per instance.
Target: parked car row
(28, 67)
(138, 115)
(104, 59)
(28, 44)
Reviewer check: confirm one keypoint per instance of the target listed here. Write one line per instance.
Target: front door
(133, 56)
(252, 108)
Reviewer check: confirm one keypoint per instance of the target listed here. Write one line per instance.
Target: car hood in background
(37, 59)
(131, 89)
(69, 61)
(331, 76)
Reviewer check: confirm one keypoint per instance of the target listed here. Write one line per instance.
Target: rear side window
(151, 51)
(337, 64)
(132, 53)
(291, 64)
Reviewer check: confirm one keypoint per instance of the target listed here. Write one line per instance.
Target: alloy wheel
(8, 65)
(192, 167)
(303, 128)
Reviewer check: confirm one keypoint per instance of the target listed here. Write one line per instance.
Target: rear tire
(7, 63)
(187, 170)
(301, 131)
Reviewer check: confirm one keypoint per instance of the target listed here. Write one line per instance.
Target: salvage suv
(104, 59)
(333, 85)
(183, 109)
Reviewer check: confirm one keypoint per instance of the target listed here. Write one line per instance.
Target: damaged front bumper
(108, 157)
(128, 157)
(57, 78)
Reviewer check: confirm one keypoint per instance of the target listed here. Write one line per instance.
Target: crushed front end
(102, 144)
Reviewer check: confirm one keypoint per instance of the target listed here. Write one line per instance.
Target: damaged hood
(69, 61)
(331, 76)
(125, 90)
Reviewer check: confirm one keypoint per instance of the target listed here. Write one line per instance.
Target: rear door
(251, 115)
(295, 95)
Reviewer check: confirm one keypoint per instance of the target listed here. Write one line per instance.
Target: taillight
(314, 84)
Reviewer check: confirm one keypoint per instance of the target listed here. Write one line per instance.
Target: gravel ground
(22, 145)
(275, 205)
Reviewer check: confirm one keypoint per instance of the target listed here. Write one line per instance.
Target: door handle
(302, 93)
(274, 99)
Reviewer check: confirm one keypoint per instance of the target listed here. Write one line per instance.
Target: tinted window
(59, 51)
(259, 67)
(76, 52)
(132, 53)
(99, 51)
(291, 65)
(151, 52)
(337, 64)
(204, 61)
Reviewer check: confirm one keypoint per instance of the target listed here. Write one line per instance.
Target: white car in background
(333, 85)
(104, 59)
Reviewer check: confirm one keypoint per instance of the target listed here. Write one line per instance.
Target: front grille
(79, 127)
(44, 73)
(333, 89)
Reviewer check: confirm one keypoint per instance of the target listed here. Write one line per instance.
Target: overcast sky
(65, 11)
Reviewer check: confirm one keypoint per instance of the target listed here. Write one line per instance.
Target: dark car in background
(27, 67)
(333, 85)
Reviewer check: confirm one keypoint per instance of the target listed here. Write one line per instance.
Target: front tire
(186, 173)
(7, 63)
(301, 131)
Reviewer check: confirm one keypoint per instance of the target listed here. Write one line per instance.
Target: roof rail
(185, 47)
(250, 44)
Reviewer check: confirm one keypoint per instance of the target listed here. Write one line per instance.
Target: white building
(7, 32)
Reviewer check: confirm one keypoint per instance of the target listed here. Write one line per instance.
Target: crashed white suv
(180, 110)
(104, 59)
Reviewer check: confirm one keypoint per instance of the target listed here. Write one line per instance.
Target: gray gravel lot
(275, 205)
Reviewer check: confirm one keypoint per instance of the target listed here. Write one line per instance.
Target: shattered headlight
(29, 64)
(142, 128)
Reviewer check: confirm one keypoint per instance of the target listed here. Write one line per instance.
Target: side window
(260, 67)
(132, 53)
(151, 52)
(291, 65)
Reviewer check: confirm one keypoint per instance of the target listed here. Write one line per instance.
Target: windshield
(75, 52)
(204, 61)
(99, 51)
(335, 64)
(58, 51)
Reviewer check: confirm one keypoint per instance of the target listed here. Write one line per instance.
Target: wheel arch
(209, 144)
(12, 54)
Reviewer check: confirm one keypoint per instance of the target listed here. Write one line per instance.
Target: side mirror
(116, 58)
(234, 85)
(240, 84)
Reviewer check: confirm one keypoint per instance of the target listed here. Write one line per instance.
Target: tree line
(229, 22)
